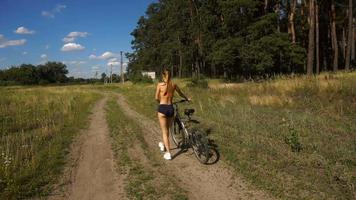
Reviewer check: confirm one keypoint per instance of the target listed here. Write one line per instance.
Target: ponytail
(167, 79)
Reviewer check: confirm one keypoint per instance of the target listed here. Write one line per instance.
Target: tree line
(48, 73)
(244, 38)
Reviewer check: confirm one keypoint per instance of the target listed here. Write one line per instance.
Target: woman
(164, 95)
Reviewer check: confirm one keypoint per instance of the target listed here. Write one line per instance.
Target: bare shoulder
(161, 84)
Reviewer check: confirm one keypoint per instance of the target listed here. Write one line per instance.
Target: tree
(103, 77)
(291, 20)
(232, 38)
(52, 72)
(317, 38)
(334, 36)
(24, 74)
(311, 43)
(350, 35)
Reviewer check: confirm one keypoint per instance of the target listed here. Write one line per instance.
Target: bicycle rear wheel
(200, 145)
(177, 134)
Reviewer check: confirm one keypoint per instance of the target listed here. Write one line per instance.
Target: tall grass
(36, 128)
(295, 137)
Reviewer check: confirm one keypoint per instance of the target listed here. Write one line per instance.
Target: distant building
(150, 74)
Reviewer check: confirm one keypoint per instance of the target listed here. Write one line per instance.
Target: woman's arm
(157, 94)
(181, 93)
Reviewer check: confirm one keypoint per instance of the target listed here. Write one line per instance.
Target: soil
(91, 172)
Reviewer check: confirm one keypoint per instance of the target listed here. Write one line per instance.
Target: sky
(86, 35)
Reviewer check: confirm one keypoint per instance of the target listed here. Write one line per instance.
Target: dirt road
(92, 173)
(201, 181)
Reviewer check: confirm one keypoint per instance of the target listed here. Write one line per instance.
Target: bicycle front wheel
(177, 134)
(200, 145)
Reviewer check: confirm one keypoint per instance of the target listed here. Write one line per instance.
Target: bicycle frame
(189, 138)
(180, 121)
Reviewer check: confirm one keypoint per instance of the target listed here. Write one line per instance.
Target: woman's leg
(163, 122)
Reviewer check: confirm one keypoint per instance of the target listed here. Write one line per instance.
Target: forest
(28, 74)
(241, 39)
(44, 74)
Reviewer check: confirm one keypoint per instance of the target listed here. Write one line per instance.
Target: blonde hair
(166, 75)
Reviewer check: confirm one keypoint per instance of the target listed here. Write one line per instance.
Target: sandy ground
(91, 172)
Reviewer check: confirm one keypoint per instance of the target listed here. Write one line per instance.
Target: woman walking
(164, 96)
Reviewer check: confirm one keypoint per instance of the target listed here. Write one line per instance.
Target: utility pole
(110, 73)
(106, 76)
(122, 70)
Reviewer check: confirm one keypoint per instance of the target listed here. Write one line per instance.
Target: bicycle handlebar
(181, 101)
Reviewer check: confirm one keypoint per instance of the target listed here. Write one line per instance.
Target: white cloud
(47, 46)
(73, 35)
(92, 56)
(78, 34)
(5, 42)
(47, 14)
(108, 55)
(113, 63)
(113, 60)
(72, 47)
(96, 67)
(54, 11)
(68, 39)
(24, 53)
(105, 56)
(44, 56)
(75, 62)
(59, 7)
(23, 30)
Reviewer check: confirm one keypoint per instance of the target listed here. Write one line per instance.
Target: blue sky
(87, 35)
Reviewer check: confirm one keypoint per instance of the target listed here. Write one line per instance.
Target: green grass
(37, 125)
(143, 181)
(293, 137)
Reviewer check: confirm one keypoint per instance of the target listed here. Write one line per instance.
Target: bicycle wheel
(177, 134)
(200, 145)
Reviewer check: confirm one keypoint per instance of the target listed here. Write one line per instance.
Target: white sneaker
(167, 156)
(161, 146)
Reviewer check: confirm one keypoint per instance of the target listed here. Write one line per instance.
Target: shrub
(293, 140)
(137, 77)
(198, 82)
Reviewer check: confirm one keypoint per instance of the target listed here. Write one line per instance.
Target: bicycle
(185, 136)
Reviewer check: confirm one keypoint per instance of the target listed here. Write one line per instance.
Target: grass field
(293, 137)
(149, 181)
(37, 125)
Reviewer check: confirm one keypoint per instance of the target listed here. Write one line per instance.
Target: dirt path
(202, 182)
(92, 174)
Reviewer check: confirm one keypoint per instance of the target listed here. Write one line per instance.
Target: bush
(200, 83)
(293, 140)
(137, 77)
(8, 83)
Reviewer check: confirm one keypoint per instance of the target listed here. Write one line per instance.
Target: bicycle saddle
(188, 111)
